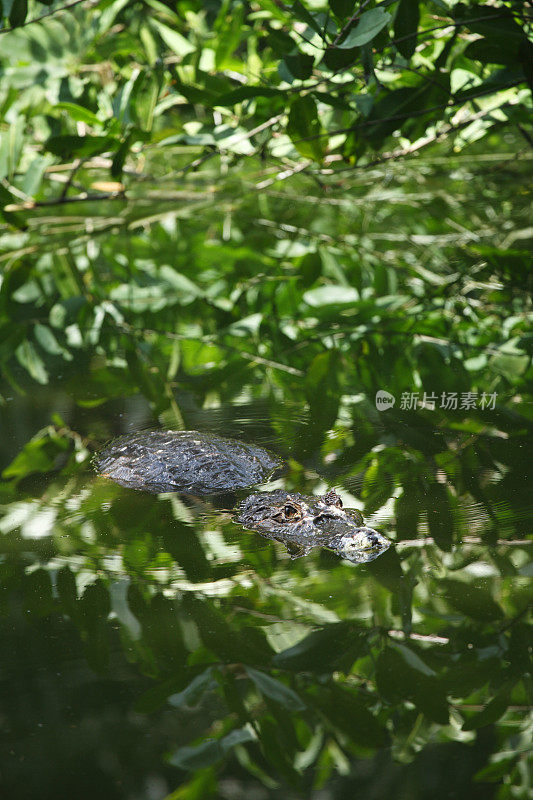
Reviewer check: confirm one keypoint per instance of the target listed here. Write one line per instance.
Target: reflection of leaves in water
(474, 601)
(275, 690)
(347, 713)
(399, 677)
(254, 318)
(333, 647)
(210, 751)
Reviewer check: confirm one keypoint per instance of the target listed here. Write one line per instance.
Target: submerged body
(205, 463)
(302, 522)
(184, 461)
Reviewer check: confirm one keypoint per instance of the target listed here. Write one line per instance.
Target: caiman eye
(290, 511)
(333, 499)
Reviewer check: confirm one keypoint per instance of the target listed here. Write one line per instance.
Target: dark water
(152, 648)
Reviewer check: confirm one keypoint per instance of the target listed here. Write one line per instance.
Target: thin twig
(405, 543)
(420, 637)
(286, 173)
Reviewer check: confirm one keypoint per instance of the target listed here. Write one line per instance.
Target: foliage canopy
(328, 87)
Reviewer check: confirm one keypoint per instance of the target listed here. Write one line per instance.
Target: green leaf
(406, 26)
(157, 696)
(338, 60)
(198, 756)
(331, 296)
(490, 51)
(439, 515)
(275, 690)
(280, 42)
(407, 510)
(471, 600)
(495, 82)
(321, 390)
(79, 113)
(378, 486)
(18, 13)
(279, 749)
(32, 180)
(209, 752)
(247, 645)
(38, 597)
(67, 591)
(303, 14)
(369, 25)
(12, 217)
(304, 129)
(246, 93)
(400, 678)
(177, 43)
(28, 356)
(38, 455)
(389, 113)
(229, 36)
(412, 659)
(492, 712)
(117, 165)
(68, 145)
(333, 647)
(300, 65)
(192, 693)
(525, 55)
(342, 8)
(346, 712)
(497, 770)
(187, 288)
(49, 343)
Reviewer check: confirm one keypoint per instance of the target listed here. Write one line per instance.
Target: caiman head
(304, 521)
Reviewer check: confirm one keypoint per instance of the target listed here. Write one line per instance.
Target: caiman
(205, 463)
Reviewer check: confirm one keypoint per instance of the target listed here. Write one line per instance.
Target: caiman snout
(361, 545)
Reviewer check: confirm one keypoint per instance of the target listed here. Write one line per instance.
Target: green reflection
(151, 646)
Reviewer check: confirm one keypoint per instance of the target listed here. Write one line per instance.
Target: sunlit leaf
(331, 295)
(79, 113)
(303, 14)
(369, 25)
(177, 43)
(28, 356)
